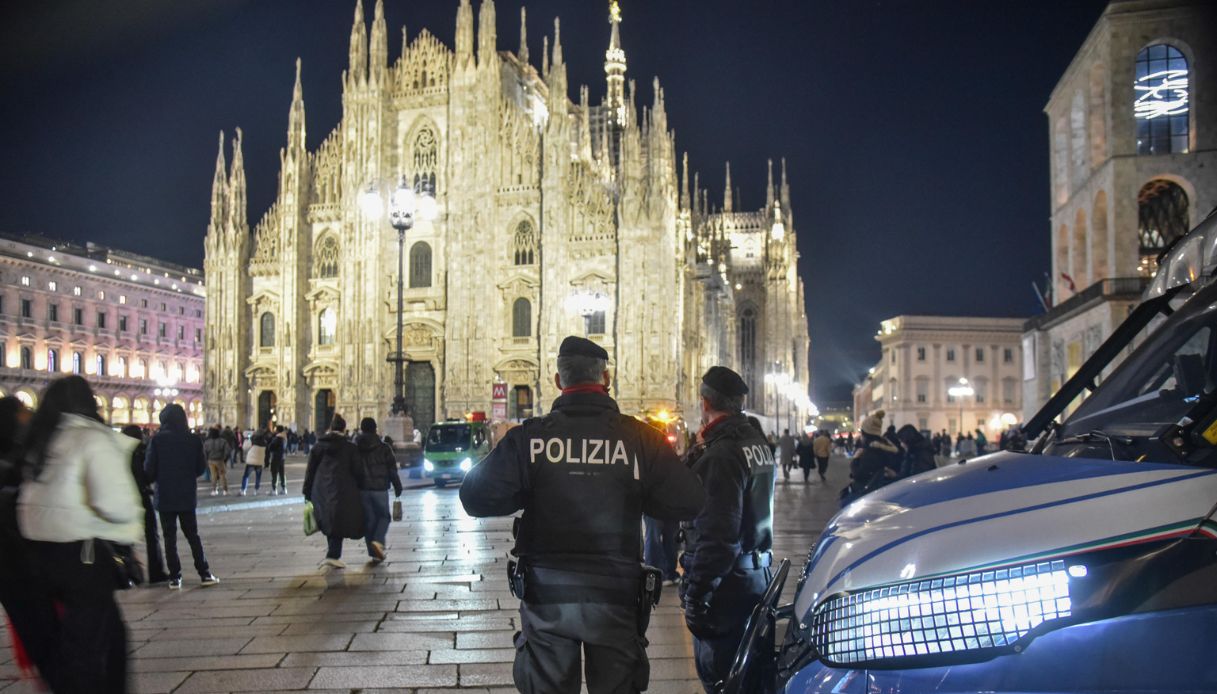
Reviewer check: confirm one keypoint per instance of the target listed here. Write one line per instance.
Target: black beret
(725, 381)
(581, 347)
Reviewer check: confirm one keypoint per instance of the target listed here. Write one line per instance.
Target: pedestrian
(967, 446)
(174, 462)
(332, 482)
(77, 497)
(875, 463)
(728, 545)
(982, 443)
(659, 546)
(917, 452)
(786, 447)
(274, 453)
(31, 611)
(255, 459)
(822, 449)
(217, 451)
(584, 475)
(154, 560)
(380, 471)
(807, 461)
(947, 445)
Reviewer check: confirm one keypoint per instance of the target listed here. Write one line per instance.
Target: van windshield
(448, 437)
(1159, 382)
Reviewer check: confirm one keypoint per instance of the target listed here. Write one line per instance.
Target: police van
(1086, 564)
(453, 447)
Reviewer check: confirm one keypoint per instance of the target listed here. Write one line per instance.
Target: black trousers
(553, 637)
(276, 473)
(155, 561)
(733, 602)
(30, 609)
(190, 528)
(91, 639)
(333, 546)
(822, 464)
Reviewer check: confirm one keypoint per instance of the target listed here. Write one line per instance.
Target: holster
(650, 588)
(515, 579)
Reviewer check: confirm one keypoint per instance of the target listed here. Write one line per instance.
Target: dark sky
(913, 129)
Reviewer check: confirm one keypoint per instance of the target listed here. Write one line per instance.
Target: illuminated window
(327, 325)
(325, 259)
(101, 365)
(122, 299)
(524, 244)
(77, 363)
(25, 280)
(52, 286)
(1161, 104)
(267, 331)
(122, 367)
(52, 360)
(76, 290)
(521, 318)
(420, 265)
(1162, 217)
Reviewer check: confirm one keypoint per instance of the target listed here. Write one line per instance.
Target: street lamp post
(405, 204)
(961, 391)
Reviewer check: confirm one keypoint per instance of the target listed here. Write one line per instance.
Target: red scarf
(586, 388)
(701, 435)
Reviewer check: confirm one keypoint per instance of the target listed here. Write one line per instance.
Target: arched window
(1161, 104)
(426, 159)
(266, 332)
(521, 318)
(52, 360)
(1161, 218)
(524, 244)
(420, 265)
(327, 326)
(122, 367)
(325, 258)
(77, 363)
(747, 342)
(101, 365)
(27, 358)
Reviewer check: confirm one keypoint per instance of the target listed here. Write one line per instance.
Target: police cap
(581, 347)
(725, 381)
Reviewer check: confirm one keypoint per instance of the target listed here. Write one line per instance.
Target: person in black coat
(332, 482)
(173, 464)
(876, 461)
(156, 562)
(918, 453)
(380, 471)
(274, 454)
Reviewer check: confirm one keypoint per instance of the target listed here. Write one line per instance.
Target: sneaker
(224, 492)
(377, 550)
(242, 492)
(208, 580)
(215, 492)
(335, 563)
(175, 584)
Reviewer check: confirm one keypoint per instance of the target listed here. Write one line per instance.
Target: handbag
(310, 521)
(397, 509)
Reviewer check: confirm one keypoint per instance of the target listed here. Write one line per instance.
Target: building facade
(924, 358)
(1133, 139)
(554, 217)
(131, 325)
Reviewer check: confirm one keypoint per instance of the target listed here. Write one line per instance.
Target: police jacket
(735, 464)
(584, 474)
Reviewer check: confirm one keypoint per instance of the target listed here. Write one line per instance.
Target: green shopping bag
(310, 523)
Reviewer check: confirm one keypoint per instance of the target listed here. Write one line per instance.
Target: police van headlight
(428, 466)
(963, 615)
(466, 465)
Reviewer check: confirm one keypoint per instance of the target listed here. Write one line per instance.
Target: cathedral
(554, 217)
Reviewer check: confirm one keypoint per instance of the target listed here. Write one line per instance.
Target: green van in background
(453, 447)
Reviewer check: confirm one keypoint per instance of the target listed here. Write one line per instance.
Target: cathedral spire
(378, 54)
(557, 74)
(405, 40)
(237, 194)
(545, 57)
(295, 118)
(728, 193)
(785, 188)
(523, 52)
(464, 34)
(487, 36)
(769, 186)
(684, 181)
(358, 68)
(614, 67)
(219, 189)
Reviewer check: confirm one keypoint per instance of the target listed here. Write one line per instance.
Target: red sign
(498, 411)
(498, 391)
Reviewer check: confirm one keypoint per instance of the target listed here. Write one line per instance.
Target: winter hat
(368, 425)
(873, 424)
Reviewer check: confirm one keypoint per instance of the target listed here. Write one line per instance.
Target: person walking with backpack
(380, 470)
(174, 462)
(332, 482)
(216, 449)
(77, 499)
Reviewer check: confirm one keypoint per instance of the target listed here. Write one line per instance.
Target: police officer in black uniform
(583, 475)
(728, 546)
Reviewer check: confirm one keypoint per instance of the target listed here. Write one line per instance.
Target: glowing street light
(959, 392)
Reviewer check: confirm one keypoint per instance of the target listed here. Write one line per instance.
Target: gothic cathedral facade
(553, 218)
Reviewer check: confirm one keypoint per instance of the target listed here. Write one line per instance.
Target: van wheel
(440, 484)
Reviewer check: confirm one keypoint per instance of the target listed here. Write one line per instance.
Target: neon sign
(1163, 93)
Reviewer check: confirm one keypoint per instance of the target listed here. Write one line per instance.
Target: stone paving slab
(384, 676)
(247, 680)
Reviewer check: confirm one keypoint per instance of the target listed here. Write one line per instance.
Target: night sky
(913, 129)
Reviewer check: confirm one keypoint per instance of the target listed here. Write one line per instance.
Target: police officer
(583, 475)
(727, 547)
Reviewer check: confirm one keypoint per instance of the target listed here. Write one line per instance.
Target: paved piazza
(435, 617)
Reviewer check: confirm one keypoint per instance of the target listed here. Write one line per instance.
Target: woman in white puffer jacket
(77, 490)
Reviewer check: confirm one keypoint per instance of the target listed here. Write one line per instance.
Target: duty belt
(751, 561)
